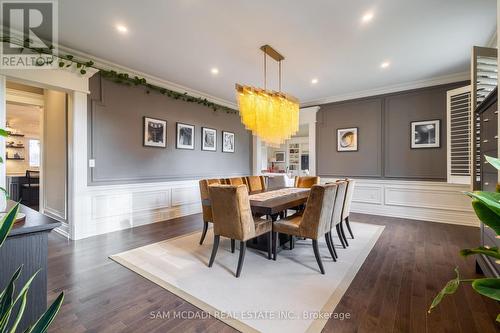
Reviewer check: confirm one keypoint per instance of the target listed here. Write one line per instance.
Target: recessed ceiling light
(314, 81)
(385, 64)
(121, 28)
(367, 17)
(214, 71)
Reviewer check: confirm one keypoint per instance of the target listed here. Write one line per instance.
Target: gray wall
(384, 135)
(116, 138)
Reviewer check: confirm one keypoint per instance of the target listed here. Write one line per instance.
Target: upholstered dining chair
(206, 210)
(306, 182)
(337, 212)
(275, 182)
(236, 181)
(313, 223)
(233, 219)
(256, 183)
(347, 204)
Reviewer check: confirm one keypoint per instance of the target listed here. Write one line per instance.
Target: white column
(3, 117)
(308, 116)
(256, 155)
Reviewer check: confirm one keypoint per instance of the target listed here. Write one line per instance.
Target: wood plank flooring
(411, 261)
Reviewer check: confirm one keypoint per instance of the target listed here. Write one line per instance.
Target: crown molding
(108, 65)
(390, 89)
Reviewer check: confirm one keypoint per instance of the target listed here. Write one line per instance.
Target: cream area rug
(287, 295)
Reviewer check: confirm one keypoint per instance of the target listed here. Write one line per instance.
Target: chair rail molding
(419, 200)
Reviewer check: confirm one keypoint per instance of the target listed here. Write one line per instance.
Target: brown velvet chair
(207, 210)
(337, 212)
(313, 223)
(306, 182)
(256, 183)
(233, 219)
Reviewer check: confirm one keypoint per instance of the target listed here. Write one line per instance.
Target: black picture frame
(178, 145)
(436, 145)
(223, 144)
(203, 129)
(338, 132)
(146, 142)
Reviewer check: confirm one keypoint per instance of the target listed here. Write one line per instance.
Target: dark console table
(27, 245)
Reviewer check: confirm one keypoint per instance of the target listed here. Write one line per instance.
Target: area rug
(287, 295)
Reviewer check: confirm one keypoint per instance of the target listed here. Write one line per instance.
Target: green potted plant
(487, 208)
(12, 306)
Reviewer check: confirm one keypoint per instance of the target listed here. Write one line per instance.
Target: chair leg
(292, 243)
(232, 245)
(275, 245)
(318, 257)
(343, 233)
(329, 234)
(329, 244)
(214, 250)
(348, 226)
(339, 233)
(204, 233)
(243, 247)
(269, 244)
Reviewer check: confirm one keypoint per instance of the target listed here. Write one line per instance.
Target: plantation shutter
(459, 134)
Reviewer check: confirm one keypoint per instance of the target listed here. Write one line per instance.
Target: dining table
(273, 203)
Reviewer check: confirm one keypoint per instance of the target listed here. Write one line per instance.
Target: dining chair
(313, 223)
(236, 181)
(255, 183)
(232, 217)
(206, 210)
(347, 204)
(30, 191)
(276, 182)
(306, 181)
(337, 213)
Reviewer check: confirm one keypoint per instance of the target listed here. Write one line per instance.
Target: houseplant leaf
(6, 300)
(7, 222)
(491, 252)
(450, 288)
(487, 208)
(46, 319)
(3, 132)
(20, 311)
(493, 161)
(489, 287)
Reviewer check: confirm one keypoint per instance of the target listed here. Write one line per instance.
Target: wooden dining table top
(275, 205)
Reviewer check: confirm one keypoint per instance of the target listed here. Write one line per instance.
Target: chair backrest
(317, 216)
(33, 177)
(306, 182)
(348, 198)
(256, 183)
(274, 182)
(339, 202)
(236, 181)
(204, 194)
(231, 212)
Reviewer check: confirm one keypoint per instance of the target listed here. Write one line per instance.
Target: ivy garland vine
(69, 60)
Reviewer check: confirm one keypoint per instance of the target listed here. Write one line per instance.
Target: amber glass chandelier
(273, 116)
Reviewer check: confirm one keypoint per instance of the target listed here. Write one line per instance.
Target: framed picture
(185, 136)
(425, 134)
(155, 132)
(279, 156)
(208, 139)
(347, 139)
(227, 142)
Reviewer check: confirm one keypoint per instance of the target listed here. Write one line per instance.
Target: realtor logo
(29, 34)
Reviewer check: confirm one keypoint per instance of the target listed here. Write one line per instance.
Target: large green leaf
(493, 161)
(489, 287)
(3, 132)
(491, 252)
(20, 311)
(46, 319)
(6, 301)
(450, 288)
(7, 222)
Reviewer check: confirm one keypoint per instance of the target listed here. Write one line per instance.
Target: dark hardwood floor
(411, 261)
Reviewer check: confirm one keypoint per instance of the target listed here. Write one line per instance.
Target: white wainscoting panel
(115, 207)
(419, 200)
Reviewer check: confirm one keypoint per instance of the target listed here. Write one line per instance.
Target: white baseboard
(417, 200)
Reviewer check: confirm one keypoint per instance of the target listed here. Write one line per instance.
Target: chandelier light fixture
(273, 116)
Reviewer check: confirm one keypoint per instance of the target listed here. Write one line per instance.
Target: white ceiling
(24, 118)
(181, 40)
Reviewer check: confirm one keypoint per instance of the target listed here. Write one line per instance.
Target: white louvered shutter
(459, 134)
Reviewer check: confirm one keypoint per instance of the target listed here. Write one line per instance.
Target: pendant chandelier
(273, 116)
